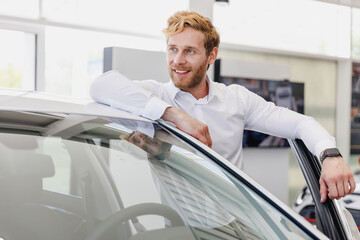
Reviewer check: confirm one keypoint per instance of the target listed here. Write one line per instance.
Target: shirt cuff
(155, 108)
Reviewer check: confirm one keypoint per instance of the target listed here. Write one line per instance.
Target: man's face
(186, 58)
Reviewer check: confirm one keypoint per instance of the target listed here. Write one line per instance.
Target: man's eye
(190, 51)
(172, 49)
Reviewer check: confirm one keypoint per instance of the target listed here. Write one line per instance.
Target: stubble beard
(195, 80)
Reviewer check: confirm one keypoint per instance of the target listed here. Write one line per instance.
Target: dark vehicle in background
(74, 169)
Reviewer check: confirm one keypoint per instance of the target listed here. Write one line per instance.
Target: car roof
(34, 101)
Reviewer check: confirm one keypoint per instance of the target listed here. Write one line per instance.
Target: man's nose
(179, 58)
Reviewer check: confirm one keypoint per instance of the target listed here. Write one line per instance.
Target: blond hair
(177, 22)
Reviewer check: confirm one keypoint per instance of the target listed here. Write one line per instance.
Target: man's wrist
(171, 114)
(330, 152)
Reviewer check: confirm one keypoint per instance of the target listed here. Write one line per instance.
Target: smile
(181, 72)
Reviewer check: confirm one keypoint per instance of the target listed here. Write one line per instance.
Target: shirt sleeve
(142, 98)
(265, 117)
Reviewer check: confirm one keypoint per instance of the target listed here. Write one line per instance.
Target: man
(214, 113)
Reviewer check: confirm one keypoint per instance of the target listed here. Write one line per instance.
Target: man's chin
(183, 87)
(184, 83)
(180, 83)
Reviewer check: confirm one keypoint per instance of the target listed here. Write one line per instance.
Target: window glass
(74, 58)
(135, 16)
(164, 170)
(356, 33)
(295, 25)
(120, 173)
(20, 8)
(60, 182)
(17, 59)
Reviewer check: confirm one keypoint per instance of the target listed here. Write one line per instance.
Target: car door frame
(329, 215)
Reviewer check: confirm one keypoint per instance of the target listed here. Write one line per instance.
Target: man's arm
(143, 98)
(336, 178)
(188, 124)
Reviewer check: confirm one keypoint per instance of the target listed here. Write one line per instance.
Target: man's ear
(213, 55)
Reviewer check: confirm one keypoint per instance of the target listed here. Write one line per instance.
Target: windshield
(86, 177)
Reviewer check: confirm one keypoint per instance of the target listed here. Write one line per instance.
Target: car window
(87, 177)
(61, 181)
(206, 196)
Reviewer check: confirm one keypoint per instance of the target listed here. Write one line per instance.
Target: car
(75, 169)
(304, 204)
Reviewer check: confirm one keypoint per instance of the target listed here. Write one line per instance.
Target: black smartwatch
(330, 152)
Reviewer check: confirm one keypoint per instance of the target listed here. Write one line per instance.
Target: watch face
(332, 152)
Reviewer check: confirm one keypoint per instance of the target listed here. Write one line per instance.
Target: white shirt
(227, 110)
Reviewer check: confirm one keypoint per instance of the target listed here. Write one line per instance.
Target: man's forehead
(187, 38)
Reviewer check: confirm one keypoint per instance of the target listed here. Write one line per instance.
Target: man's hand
(336, 179)
(188, 124)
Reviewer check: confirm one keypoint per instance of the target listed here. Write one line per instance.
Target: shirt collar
(212, 89)
(174, 90)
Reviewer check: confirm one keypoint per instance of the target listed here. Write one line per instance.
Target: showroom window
(291, 25)
(17, 59)
(76, 32)
(75, 61)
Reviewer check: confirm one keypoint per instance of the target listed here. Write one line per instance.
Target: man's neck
(199, 91)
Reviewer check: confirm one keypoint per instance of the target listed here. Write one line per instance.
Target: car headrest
(27, 165)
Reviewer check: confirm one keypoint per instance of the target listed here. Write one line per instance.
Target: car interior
(72, 177)
(23, 196)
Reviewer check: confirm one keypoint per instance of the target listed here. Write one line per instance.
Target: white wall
(343, 107)
(137, 64)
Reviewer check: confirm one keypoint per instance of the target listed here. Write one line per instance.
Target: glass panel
(60, 182)
(208, 198)
(356, 33)
(294, 25)
(135, 16)
(74, 62)
(121, 181)
(17, 59)
(20, 8)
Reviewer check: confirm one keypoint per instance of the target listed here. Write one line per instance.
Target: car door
(334, 221)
